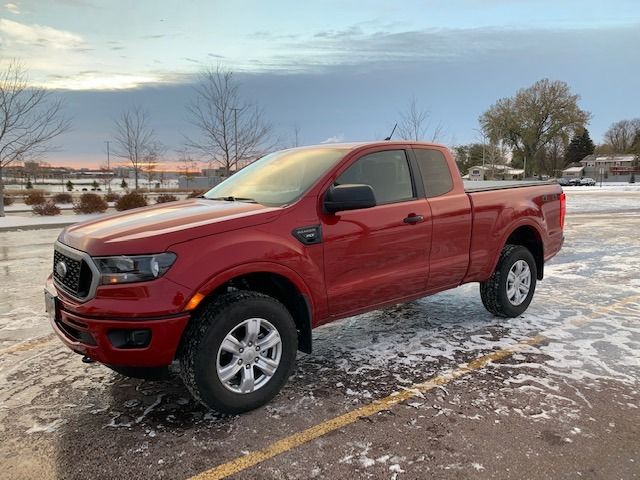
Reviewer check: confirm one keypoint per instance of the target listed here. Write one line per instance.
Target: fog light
(130, 338)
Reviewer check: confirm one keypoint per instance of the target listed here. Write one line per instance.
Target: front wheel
(509, 290)
(238, 351)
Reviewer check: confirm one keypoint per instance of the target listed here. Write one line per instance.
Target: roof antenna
(394, 129)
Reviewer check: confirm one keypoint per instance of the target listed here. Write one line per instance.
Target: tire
(494, 292)
(203, 358)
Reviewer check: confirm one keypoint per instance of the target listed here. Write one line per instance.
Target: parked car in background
(564, 182)
(586, 181)
(574, 182)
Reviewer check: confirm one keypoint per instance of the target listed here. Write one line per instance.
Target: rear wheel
(238, 351)
(510, 289)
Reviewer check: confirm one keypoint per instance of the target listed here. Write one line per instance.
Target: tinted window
(387, 172)
(434, 171)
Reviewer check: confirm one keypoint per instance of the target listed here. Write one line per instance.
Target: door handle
(412, 218)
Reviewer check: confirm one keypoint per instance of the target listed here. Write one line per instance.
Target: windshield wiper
(231, 198)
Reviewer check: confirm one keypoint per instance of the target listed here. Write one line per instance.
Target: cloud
(334, 139)
(37, 35)
(12, 8)
(96, 80)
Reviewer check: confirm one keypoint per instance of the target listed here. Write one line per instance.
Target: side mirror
(349, 197)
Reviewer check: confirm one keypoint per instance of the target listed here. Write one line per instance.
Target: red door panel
(372, 256)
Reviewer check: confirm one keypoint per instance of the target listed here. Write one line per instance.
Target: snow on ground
(589, 350)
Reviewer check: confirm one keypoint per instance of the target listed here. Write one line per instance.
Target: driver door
(376, 255)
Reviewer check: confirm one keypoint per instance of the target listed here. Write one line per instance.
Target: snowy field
(564, 407)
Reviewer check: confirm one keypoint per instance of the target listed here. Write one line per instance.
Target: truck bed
(471, 186)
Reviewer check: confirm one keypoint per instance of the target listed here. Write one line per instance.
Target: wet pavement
(567, 407)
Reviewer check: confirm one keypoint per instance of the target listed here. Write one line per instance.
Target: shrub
(7, 200)
(35, 197)
(29, 185)
(63, 198)
(47, 209)
(130, 200)
(166, 197)
(90, 203)
(111, 197)
(196, 193)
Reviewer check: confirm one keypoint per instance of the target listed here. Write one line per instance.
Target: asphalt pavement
(436, 388)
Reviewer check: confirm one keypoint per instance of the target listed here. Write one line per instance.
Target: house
(495, 172)
(573, 172)
(615, 168)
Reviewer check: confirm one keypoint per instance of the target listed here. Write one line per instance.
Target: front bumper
(97, 338)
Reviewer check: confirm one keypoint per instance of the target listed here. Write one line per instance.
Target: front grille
(77, 280)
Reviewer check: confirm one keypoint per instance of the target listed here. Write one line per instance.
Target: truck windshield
(279, 178)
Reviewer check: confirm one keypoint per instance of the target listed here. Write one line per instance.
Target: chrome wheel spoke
(267, 366)
(253, 330)
(270, 340)
(247, 380)
(228, 372)
(231, 344)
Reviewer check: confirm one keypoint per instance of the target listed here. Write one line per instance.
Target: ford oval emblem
(61, 269)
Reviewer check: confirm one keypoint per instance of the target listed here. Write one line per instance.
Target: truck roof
(354, 145)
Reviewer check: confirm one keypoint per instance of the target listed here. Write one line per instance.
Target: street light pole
(108, 166)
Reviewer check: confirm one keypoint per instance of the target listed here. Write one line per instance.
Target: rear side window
(435, 172)
(386, 172)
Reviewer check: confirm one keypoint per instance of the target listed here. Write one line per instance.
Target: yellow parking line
(297, 439)
(28, 345)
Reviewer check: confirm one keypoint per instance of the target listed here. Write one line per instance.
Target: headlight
(133, 268)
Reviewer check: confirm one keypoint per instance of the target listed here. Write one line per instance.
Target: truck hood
(154, 229)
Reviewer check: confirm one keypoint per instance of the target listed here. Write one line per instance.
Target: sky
(338, 70)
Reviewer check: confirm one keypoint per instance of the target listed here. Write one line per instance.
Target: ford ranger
(230, 285)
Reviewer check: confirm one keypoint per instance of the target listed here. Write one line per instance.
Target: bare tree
(30, 118)
(622, 134)
(415, 124)
(232, 131)
(188, 166)
(106, 176)
(135, 139)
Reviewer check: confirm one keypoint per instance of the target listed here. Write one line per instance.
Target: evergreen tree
(580, 146)
(123, 185)
(29, 185)
(69, 186)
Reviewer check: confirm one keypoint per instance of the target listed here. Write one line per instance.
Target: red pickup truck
(231, 284)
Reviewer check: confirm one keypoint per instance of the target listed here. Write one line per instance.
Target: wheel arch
(529, 237)
(275, 281)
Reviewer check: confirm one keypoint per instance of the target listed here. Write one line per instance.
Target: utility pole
(524, 175)
(108, 166)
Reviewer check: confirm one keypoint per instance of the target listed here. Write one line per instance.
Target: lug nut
(241, 350)
(256, 359)
(257, 348)
(240, 362)
(250, 343)
(247, 366)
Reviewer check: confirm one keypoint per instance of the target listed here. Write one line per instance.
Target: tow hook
(86, 359)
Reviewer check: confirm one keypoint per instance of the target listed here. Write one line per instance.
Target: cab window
(387, 173)
(434, 171)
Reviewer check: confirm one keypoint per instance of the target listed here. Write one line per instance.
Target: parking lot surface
(555, 393)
